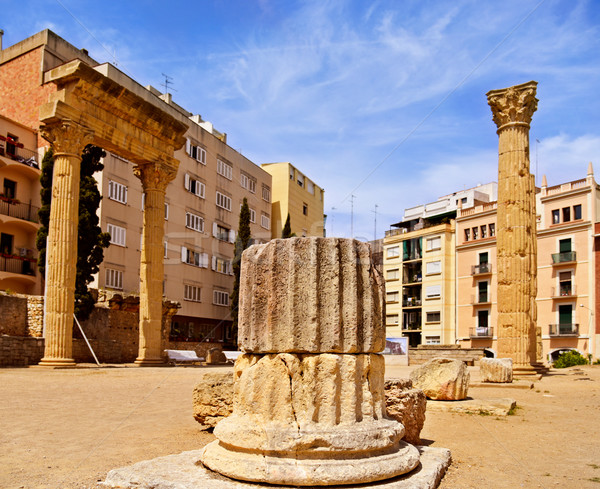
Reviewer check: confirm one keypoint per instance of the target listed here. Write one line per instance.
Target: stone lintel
(124, 122)
(513, 106)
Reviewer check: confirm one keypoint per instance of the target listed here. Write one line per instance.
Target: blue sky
(384, 100)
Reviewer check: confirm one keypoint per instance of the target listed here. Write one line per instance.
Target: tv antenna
(375, 230)
(168, 81)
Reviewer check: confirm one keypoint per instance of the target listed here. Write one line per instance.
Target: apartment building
(419, 268)
(297, 195)
(201, 210)
(567, 303)
(19, 206)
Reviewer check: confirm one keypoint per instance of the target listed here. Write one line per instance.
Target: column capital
(67, 137)
(156, 175)
(513, 105)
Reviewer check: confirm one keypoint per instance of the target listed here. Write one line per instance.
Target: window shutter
(214, 262)
(124, 195)
(183, 254)
(188, 146)
(215, 226)
(204, 260)
(186, 183)
(198, 189)
(232, 236)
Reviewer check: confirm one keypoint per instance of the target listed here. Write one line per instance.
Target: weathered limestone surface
(184, 471)
(213, 398)
(407, 406)
(493, 407)
(215, 356)
(310, 295)
(496, 370)
(512, 110)
(442, 379)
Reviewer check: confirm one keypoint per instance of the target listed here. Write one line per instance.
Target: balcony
(411, 302)
(481, 298)
(481, 269)
(411, 327)
(481, 332)
(17, 264)
(16, 152)
(565, 291)
(561, 330)
(565, 257)
(20, 210)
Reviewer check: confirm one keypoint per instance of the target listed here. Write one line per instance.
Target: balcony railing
(20, 210)
(481, 332)
(565, 257)
(563, 291)
(481, 269)
(411, 302)
(17, 264)
(412, 279)
(481, 298)
(26, 156)
(564, 330)
(411, 327)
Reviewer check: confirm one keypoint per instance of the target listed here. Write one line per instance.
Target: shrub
(569, 359)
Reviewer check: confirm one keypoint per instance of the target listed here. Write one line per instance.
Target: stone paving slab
(184, 471)
(504, 385)
(495, 407)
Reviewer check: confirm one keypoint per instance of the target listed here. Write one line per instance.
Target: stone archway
(104, 107)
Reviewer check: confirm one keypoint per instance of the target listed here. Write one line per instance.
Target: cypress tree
(91, 240)
(287, 228)
(242, 242)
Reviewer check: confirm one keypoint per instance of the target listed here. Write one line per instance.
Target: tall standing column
(68, 140)
(155, 177)
(512, 110)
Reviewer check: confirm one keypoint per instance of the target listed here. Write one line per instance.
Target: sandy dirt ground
(67, 428)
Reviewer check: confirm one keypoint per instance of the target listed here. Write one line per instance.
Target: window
(10, 189)
(566, 212)
(310, 187)
(117, 192)
(393, 274)
(482, 320)
(555, 216)
(483, 231)
(391, 319)
(252, 215)
(434, 243)
(433, 291)
(305, 209)
(412, 249)
(483, 258)
(577, 212)
(221, 265)
(467, 234)
(196, 152)
(432, 340)
(300, 179)
(564, 245)
(223, 201)
(475, 233)
(482, 288)
(492, 228)
(195, 222)
(191, 293)
(225, 169)
(11, 144)
(222, 233)
(265, 221)
(114, 278)
(565, 287)
(266, 193)
(220, 298)
(393, 252)
(248, 182)
(433, 267)
(392, 296)
(194, 258)
(432, 317)
(6, 243)
(117, 234)
(194, 186)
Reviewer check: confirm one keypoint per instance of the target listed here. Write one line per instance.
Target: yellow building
(567, 222)
(296, 195)
(19, 206)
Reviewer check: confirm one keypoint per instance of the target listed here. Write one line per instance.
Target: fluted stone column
(309, 405)
(68, 140)
(155, 177)
(516, 239)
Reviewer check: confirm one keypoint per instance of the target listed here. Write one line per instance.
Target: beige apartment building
(419, 268)
(19, 206)
(298, 195)
(567, 218)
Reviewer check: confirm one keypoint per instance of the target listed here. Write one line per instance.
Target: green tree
(91, 240)
(242, 242)
(287, 228)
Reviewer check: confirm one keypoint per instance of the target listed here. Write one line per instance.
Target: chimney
(1, 34)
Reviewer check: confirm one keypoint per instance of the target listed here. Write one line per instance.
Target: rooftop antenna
(352, 197)
(332, 209)
(375, 230)
(168, 81)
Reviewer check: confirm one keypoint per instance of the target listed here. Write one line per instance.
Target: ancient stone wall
(13, 315)
(424, 353)
(35, 315)
(20, 351)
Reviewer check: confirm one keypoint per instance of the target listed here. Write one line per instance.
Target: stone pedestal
(512, 110)
(68, 140)
(309, 404)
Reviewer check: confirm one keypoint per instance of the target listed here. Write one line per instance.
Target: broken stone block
(407, 406)
(498, 370)
(442, 379)
(213, 398)
(215, 356)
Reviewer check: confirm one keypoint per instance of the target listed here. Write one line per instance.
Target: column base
(149, 362)
(530, 372)
(57, 363)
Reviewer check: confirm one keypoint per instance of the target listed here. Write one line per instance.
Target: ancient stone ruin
(309, 405)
